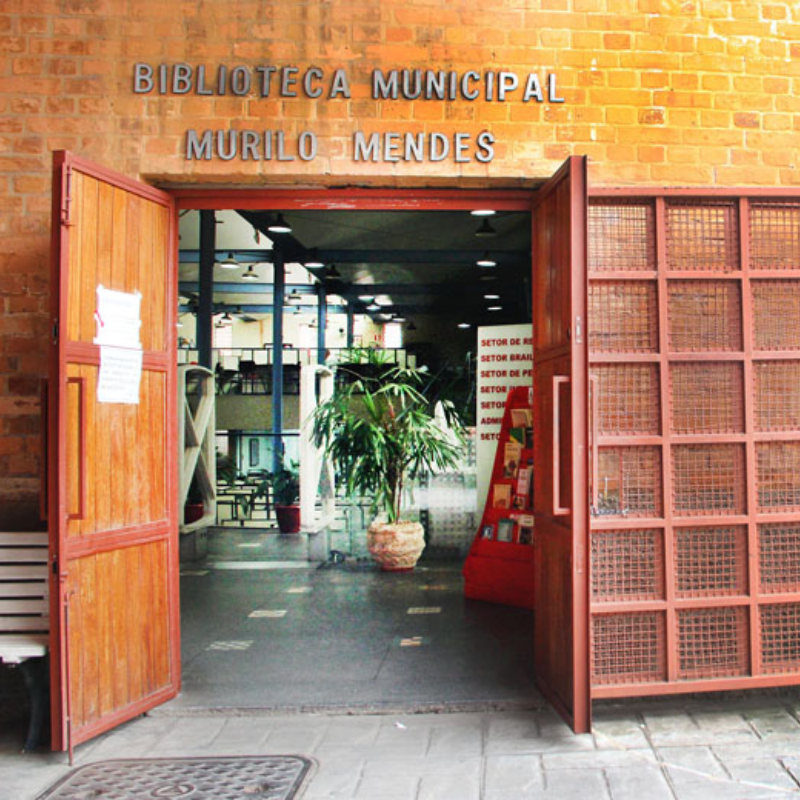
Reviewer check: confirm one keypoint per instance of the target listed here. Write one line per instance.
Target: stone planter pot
(396, 546)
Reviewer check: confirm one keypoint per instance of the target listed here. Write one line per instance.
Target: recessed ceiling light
(398, 318)
(373, 307)
(491, 297)
(494, 308)
(482, 212)
(366, 298)
(485, 261)
(280, 225)
(230, 262)
(464, 325)
(250, 275)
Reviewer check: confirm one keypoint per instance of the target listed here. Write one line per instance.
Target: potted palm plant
(380, 430)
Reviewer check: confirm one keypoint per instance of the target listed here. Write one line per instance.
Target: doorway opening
(307, 620)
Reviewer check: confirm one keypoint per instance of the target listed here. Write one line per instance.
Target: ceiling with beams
(423, 262)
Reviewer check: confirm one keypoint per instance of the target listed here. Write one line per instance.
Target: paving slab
(637, 781)
(512, 776)
(575, 785)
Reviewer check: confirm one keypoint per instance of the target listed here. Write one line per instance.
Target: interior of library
(307, 619)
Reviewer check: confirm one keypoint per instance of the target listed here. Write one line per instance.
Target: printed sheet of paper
(119, 323)
(120, 375)
(118, 318)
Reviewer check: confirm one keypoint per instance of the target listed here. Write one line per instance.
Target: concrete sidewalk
(729, 747)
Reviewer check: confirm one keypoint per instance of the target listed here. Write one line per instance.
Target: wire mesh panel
(629, 648)
(705, 316)
(710, 561)
(779, 557)
(713, 642)
(623, 316)
(702, 236)
(707, 397)
(776, 315)
(775, 235)
(630, 481)
(712, 546)
(628, 565)
(780, 637)
(777, 389)
(708, 479)
(621, 236)
(778, 476)
(629, 398)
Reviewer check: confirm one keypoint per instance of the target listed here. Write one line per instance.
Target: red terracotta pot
(192, 512)
(288, 518)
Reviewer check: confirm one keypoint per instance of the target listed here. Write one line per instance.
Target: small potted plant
(285, 484)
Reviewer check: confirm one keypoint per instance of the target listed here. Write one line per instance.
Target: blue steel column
(322, 322)
(278, 291)
(205, 301)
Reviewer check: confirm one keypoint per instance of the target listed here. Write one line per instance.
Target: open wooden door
(561, 504)
(115, 640)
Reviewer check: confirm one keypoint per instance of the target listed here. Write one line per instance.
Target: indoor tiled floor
(344, 636)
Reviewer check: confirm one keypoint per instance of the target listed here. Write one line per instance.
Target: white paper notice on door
(118, 317)
(120, 375)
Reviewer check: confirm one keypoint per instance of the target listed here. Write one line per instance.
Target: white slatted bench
(25, 618)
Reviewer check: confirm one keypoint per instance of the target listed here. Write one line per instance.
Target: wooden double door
(113, 465)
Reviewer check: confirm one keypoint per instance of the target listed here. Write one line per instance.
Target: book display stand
(499, 566)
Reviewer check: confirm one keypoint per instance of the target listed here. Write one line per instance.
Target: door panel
(561, 504)
(113, 499)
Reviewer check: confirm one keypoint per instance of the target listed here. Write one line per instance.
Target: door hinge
(55, 331)
(55, 566)
(578, 330)
(66, 198)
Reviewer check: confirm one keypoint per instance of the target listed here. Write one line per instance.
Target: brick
(651, 116)
(617, 41)
(746, 120)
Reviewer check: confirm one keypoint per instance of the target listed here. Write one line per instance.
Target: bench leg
(35, 673)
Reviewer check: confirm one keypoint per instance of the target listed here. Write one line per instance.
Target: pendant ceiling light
(312, 260)
(482, 212)
(230, 262)
(485, 229)
(486, 261)
(280, 225)
(250, 275)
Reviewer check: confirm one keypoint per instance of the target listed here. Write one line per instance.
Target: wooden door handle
(558, 509)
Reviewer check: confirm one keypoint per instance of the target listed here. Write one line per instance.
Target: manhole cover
(241, 777)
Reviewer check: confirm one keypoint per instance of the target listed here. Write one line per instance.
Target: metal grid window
(696, 436)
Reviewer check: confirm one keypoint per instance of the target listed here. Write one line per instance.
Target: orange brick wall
(660, 92)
